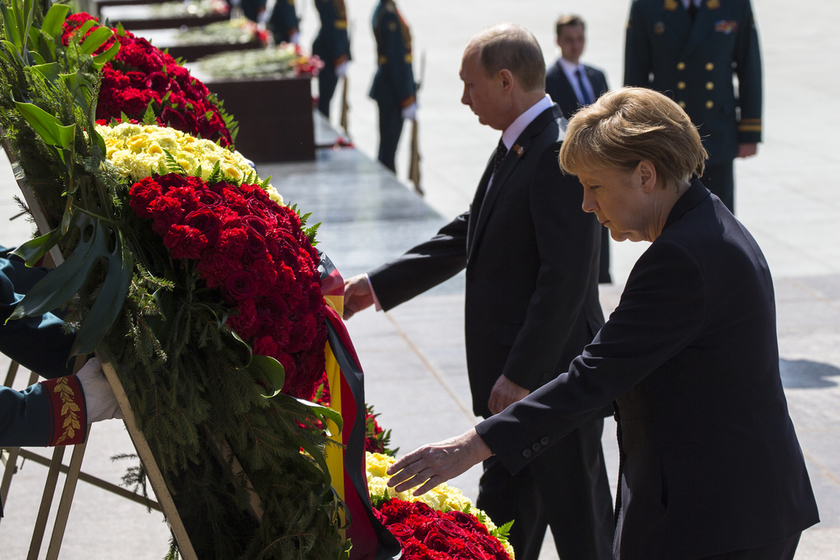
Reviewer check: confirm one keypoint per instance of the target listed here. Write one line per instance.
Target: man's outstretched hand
(357, 295)
(435, 463)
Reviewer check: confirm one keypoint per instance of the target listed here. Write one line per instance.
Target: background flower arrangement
(286, 59)
(234, 31)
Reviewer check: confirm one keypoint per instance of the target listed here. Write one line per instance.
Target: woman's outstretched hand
(435, 463)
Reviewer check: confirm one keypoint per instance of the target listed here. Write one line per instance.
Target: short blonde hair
(626, 126)
(512, 47)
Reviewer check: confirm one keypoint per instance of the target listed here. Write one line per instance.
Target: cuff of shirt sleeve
(67, 410)
(376, 304)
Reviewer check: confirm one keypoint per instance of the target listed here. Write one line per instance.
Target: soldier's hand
(505, 393)
(357, 295)
(747, 150)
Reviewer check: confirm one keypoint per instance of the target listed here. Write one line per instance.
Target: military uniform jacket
(332, 44)
(709, 461)
(531, 257)
(284, 20)
(693, 63)
(561, 91)
(394, 79)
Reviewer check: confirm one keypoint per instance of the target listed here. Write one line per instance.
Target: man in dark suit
(332, 45)
(710, 467)
(393, 85)
(573, 85)
(689, 50)
(531, 259)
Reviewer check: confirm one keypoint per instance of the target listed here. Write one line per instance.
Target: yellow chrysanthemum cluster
(138, 151)
(443, 497)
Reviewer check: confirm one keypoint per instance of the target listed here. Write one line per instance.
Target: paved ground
(414, 357)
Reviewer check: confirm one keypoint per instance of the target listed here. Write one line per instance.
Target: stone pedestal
(274, 115)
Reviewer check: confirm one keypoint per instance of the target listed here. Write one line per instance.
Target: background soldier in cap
(332, 45)
(689, 49)
(393, 84)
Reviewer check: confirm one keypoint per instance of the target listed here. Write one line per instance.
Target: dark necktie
(585, 98)
(692, 10)
(499, 155)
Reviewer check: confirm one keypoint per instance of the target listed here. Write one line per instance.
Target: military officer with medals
(332, 45)
(689, 50)
(393, 84)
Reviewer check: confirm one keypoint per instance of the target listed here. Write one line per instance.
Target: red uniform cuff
(68, 424)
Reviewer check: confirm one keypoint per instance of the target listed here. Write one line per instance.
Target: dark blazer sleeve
(637, 55)
(748, 69)
(424, 266)
(568, 240)
(661, 310)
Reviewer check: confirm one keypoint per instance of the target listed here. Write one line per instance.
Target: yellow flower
(139, 151)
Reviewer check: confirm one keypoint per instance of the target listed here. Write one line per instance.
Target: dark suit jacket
(693, 63)
(710, 462)
(561, 91)
(531, 258)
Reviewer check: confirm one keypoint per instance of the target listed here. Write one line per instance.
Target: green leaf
(149, 116)
(109, 302)
(54, 20)
(81, 89)
(323, 413)
(10, 27)
(62, 283)
(33, 250)
(48, 127)
(269, 371)
(96, 40)
(82, 31)
(103, 58)
(49, 71)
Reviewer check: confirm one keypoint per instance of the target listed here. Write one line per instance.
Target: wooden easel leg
(46, 504)
(66, 499)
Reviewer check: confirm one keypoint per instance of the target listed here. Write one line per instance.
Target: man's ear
(506, 79)
(647, 175)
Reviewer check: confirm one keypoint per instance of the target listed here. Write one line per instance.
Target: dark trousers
(779, 551)
(720, 179)
(565, 488)
(327, 80)
(390, 129)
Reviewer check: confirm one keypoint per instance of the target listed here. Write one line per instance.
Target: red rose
(241, 285)
(205, 221)
(436, 541)
(402, 532)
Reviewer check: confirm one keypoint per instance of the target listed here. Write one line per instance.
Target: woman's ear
(647, 175)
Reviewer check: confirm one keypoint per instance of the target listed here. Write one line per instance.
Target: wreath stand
(164, 502)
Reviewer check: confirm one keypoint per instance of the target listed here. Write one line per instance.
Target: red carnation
(184, 242)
